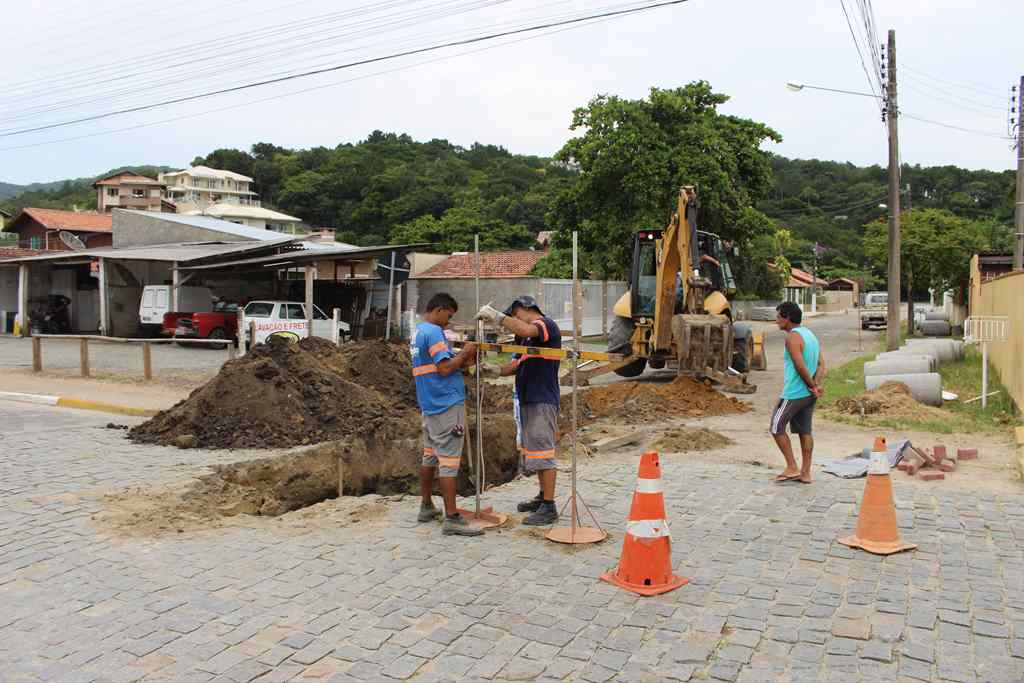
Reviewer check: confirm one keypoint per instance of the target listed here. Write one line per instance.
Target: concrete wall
(132, 230)
(554, 297)
(500, 291)
(1002, 296)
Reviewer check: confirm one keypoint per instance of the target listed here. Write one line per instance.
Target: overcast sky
(119, 53)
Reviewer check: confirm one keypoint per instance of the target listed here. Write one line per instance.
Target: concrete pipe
(936, 315)
(945, 349)
(935, 328)
(900, 356)
(925, 388)
(898, 366)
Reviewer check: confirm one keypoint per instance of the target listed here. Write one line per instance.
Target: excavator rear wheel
(619, 342)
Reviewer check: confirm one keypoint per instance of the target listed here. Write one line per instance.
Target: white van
(156, 302)
(288, 317)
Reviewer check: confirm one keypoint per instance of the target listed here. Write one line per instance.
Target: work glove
(491, 314)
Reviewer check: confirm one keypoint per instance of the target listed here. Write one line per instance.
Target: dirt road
(994, 471)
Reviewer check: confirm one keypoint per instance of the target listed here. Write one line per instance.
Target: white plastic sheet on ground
(856, 465)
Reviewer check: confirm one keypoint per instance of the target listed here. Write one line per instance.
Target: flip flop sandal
(780, 479)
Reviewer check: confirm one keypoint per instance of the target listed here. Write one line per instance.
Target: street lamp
(890, 114)
(796, 86)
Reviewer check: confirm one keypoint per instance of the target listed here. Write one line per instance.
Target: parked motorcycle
(53, 318)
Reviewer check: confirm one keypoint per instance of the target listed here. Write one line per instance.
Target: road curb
(81, 404)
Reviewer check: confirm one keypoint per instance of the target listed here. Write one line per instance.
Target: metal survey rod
(575, 362)
(479, 402)
(554, 354)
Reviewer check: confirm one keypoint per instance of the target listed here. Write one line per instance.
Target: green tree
(455, 229)
(935, 248)
(633, 156)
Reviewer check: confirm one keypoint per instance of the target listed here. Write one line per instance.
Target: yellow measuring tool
(554, 354)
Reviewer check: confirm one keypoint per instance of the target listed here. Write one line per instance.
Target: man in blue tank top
(804, 369)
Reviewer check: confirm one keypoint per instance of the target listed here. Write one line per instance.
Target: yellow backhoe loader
(676, 313)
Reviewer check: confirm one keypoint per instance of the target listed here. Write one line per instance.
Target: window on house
(111, 191)
(35, 242)
(139, 192)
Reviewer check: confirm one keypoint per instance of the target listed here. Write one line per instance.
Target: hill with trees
(619, 173)
(65, 194)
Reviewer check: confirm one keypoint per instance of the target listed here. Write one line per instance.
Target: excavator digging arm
(676, 256)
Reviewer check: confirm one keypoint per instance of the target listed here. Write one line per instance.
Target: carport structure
(105, 284)
(309, 260)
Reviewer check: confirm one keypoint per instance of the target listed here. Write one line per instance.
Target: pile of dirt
(279, 394)
(891, 399)
(683, 440)
(646, 401)
(378, 365)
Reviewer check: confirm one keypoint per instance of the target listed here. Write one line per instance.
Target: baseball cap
(526, 301)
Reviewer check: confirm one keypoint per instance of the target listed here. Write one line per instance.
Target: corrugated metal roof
(210, 223)
(182, 252)
(302, 257)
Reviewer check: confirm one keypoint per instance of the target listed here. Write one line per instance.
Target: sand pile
(652, 402)
(684, 440)
(891, 399)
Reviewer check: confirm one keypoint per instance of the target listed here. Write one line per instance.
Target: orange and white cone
(876, 525)
(645, 567)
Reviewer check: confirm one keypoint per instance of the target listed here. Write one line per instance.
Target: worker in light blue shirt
(804, 366)
(441, 393)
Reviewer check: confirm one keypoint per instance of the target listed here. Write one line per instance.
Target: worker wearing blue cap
(539, 394)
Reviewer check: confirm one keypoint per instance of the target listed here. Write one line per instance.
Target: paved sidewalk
(772, 597)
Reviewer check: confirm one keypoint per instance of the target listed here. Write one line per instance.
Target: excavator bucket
(702, 341)
(704, 347)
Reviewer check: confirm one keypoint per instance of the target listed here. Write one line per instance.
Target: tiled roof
(492, 264)
(805, 277)
(76, 221)
(127, 178)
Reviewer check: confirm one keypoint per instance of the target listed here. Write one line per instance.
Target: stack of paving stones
(933, 464)
(773, 595)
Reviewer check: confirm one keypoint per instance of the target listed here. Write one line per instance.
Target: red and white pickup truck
(220, 323)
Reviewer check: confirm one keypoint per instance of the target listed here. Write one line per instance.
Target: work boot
(532, 504)
(456, 525)
(544, 515)
(428, 513)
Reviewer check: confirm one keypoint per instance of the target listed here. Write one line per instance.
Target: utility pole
(893, 324)
(910, 282)
(1018, 249)
(814, 281)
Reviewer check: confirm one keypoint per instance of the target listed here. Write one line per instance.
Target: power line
(974, 131)
(950, 97)
(306, 90)
(221, 67)
(785, 213)
(978, 113)
(339, 67)
(857, 47)
(986, 90)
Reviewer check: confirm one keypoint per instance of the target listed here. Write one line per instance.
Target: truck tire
(218, 333)
(618, 342)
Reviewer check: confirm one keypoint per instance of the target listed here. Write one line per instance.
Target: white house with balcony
(200, 187)
(251, 216)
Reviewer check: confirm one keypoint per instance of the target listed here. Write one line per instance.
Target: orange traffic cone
(645, 567)
(876, 525)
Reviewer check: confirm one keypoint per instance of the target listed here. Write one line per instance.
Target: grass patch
(963, 378)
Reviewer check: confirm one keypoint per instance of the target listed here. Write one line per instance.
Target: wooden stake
(84, 356)
(147, 360)
(37, 354)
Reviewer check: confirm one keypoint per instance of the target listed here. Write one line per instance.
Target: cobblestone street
(772, 595)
